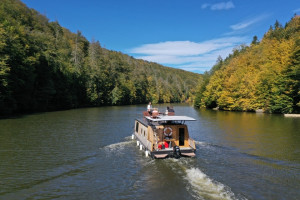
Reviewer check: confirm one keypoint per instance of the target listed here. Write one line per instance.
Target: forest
(45, 67)
(264, 76)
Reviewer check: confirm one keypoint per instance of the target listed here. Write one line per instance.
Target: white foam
(201, 143)
(128, 137)
(117, 146)
(205, 188)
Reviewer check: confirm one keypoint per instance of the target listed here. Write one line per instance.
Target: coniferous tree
(44, 66)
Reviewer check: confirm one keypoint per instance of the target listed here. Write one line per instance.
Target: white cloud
(243, 27)
(188, 55)
(222, 6)
(197, 56)
(186, 48)
(206, 5)
(247, 23)
(219, 6)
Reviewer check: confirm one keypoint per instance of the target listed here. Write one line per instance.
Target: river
(88, 154)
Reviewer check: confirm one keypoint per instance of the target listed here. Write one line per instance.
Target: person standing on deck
(149, 107)
(170, 109)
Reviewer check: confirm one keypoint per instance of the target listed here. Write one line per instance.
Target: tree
(44, 66)
(262, 76)
(254, 40)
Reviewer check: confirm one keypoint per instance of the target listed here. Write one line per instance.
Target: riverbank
(256, 111)
(292, 115)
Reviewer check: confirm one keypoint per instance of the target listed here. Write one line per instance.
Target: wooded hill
(264, 75)
(44, 66)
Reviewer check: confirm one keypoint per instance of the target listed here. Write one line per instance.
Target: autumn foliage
(264, 75)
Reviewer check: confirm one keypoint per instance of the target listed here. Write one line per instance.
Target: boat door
(181, 136)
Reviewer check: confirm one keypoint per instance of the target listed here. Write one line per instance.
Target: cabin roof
(170, 118)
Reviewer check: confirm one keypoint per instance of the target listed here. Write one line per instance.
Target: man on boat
(149, 107)
(170, 109)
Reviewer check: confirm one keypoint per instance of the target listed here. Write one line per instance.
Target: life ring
(168, 134)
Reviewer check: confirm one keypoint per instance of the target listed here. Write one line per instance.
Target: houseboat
(164, 135)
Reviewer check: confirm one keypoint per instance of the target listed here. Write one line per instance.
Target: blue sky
(185, 34)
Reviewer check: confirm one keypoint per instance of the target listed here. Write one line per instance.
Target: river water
(88, 154)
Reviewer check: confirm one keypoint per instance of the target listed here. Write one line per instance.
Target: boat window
(144, 133)
(181, 136)
(136, 127)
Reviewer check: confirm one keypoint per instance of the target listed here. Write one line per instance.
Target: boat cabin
(164, 136)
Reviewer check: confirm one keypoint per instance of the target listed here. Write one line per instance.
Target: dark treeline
(44, 66)
(263, 76)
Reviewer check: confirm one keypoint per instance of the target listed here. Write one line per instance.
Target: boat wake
(211, 146)
(200, 185)
(204, 144)
(117, 146)
(205, 188)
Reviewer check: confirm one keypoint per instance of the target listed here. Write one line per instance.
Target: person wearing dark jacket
(170, 109)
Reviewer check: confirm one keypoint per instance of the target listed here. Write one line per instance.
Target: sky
(184, 34)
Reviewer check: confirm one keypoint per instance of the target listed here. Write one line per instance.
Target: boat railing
(192, 143)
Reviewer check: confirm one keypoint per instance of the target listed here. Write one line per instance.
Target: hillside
(264, 75)
(44, 66)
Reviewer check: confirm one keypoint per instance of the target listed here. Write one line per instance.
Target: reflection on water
(264, 135)
(89, 154)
